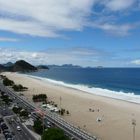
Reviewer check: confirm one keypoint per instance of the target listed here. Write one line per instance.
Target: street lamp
(42, 114)
(60, 102)
(134, 125)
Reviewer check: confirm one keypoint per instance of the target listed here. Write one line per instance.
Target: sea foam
(130, 97)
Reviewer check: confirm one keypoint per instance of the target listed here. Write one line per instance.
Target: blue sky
(87, 32)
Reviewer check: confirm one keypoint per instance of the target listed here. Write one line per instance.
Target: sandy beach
(116, 115)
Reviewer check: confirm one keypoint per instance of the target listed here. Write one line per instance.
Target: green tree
(24, 113)
(67, 112)
(38, 127)
(7, 82)
(54, 134)
(19, 88)
(6, 99)
(17, 110)
(39, 98)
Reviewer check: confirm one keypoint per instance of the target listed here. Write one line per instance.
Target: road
(12, 122)
(69, 129)
(5, 111)
(24, 134)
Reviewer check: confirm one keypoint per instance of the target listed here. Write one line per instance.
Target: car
(48, 126)
(18, 121)
(1, 123)
(4, 126)
(12, 120)
(18, 128)
(9, 139)
(48, 123)
(5, 132)
(8, 136)
(13, 133)
(1, 120)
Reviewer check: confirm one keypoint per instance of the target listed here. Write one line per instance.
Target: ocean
(118, 83)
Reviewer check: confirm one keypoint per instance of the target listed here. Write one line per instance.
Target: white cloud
(44, 17)
(117, 5)
(79, 56)
(50, 18)
(136, 62)
(5, 39)
(116, 29)
(25, 27)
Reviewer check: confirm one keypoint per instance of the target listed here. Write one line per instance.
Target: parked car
(12, 120)
(5, 132)
(18, 128)
(8, 136)
(4, 126)
(1, 120)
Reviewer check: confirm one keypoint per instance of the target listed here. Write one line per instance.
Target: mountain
(2, 68)
(64, 66)
(70, 66)
(42, 67)
(9, 64)
(23, 66)
(18, 66)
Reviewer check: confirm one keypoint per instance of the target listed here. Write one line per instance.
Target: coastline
(116, 114)
(117, 95)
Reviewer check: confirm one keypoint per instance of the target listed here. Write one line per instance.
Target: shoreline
(116, 115)
(131, 97)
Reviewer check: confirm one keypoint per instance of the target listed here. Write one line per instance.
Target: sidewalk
(38, 137)
(2, 136)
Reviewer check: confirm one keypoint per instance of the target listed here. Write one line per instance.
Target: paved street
(12, 121)
(55, 119)
(24, 134)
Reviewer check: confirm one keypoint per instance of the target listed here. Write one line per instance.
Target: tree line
(39, 98)
(17, 88)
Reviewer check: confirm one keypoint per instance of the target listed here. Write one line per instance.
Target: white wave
(130, 97)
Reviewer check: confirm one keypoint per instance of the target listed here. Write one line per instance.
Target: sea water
(118, 83)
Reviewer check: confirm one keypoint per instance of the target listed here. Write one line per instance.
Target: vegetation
(54, 134)
(24, 113)
(67, 112)
(3, 76)
(6, 98)
(40, 98)
(38, 126)
(62, 111)
(8, 82)
(20, 111)
(19, 88)
(17, 110)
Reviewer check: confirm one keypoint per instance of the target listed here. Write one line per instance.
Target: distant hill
(70, 66)
(42, 67)
(2, 68)
(9, 64)
(64, 66)
(18, 66)
(23, 66)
